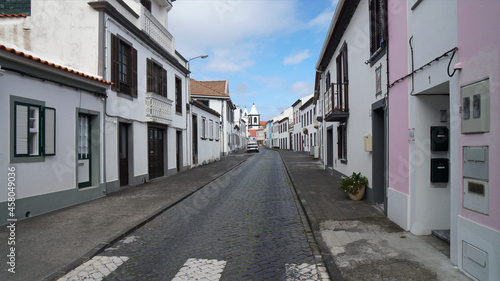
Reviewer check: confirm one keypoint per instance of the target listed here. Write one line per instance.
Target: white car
(252, 146)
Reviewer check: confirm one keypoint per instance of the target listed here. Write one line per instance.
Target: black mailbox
(440, 170)
(439, 139)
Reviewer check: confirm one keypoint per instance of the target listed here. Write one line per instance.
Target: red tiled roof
(253, 132)
(208, 88)
(263, 123)
(21, 54)
(12, 16)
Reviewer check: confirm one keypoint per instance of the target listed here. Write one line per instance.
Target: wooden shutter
(149, 75)
(164, 82)
(50, 131)
(21, 147)
(133, 79)
(115, 61)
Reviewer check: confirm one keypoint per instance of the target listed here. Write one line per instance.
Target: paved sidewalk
(49, 245)
(356, 239)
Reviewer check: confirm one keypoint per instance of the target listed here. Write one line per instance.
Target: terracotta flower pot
(359, 196)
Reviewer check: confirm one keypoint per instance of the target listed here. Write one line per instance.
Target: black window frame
(178, 95)
(342, 142)
(378, 25)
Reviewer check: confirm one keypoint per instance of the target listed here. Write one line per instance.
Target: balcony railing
(156, 30)
(337, 102)
(158, 109)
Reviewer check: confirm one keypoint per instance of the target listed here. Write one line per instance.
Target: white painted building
(307, 122)
(215, 94)
(351, 87)
(52, 119)
(205, 134)
(145, 112)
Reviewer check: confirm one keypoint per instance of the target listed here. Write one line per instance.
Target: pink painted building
(444, 154)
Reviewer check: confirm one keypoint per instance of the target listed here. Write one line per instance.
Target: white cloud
(324, 18)
(302, 88)
(296, 58)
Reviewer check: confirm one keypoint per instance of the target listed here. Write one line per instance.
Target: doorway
(378, 155)
(123, 153)
(155, 148)
(329, 147)
(84, 151)
(195, 139)
(179, 151)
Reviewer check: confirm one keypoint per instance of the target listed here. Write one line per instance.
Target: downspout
(386, 123)
(412, 67)
(102, 70)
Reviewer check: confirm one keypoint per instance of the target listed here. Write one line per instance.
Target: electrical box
(476, 107)
(440, 170)
(476, 162)
(475, 261)
(368, 143)
(476, 179)
(439, 139)
(476, 196)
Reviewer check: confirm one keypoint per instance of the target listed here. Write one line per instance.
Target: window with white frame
(211, 129)
(216, 131)
(203, 128)
(33, 128)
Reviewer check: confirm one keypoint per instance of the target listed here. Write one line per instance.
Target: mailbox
(439, 139)
(440, 170)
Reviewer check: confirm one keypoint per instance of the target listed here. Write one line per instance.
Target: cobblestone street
(246, 225)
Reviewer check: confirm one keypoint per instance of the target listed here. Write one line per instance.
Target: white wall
(208, 149)
(362, 93)
(56, 173)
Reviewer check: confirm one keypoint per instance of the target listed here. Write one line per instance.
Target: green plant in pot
(354, 185)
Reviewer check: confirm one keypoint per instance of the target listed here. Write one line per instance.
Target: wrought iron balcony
(156, 30)
(158, 109)
(337, 102)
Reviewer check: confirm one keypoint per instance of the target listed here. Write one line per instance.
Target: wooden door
(155, 148)
(123, 156)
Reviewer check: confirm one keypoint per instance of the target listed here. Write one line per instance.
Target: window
(343, 80)
(15, 7)
(123, 66)
(203, 128)
(178, 95)
(342, 142)
(378, 10)
(205, 102)
(211, 129)
(34, 129)
(146, 4)
(157, 78)
(328, 80)
(216, 131)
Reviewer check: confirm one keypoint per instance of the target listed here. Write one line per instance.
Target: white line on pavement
(200, 269)
(94, 269)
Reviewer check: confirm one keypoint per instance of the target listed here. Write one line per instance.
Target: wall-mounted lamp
(2, 71)
(458, 66)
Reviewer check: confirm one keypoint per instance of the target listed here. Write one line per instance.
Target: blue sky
(267, 49)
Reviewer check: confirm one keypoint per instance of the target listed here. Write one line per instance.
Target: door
(179, 151)
(378, 159)
(155, 148)
(84, 159)
(195, 139)
(123, 153)
(329, 147)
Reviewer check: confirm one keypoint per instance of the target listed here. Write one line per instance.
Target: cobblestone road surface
(246, 225)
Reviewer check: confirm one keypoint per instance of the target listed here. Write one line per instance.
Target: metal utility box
(476, 162)
(439, 139)
(476, 107)
(440, 170)
(476, 179)
(368, 142)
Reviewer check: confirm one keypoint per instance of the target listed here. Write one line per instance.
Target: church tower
(253, 118)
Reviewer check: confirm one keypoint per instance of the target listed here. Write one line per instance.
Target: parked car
(252, 147)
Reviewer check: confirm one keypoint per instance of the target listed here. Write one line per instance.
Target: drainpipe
(386, 122)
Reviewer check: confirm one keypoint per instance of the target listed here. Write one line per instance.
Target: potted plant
(354, 185)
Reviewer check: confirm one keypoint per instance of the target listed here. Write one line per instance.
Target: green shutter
(50, 131)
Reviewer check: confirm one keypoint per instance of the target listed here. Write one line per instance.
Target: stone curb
(328, 260)
(126, 231)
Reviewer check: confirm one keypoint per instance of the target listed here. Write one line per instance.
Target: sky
(266, 49)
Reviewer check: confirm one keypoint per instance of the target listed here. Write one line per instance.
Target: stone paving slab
(356, 239)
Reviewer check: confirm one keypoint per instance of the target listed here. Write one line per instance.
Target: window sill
(377, 55)
(124, 96)
(343, 161)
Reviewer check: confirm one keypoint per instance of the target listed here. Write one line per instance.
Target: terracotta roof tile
(21, 54)
(12, 16)
(209, 88)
